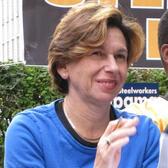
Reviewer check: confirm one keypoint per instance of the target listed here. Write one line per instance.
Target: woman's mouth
(107, 85)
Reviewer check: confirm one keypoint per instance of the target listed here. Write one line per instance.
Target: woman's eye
(97, 53)
(121, 57)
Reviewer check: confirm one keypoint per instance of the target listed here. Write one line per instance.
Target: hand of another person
(114, 138)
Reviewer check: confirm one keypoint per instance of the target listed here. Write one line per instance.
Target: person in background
(163, 49)
(89, 56)
(156, 108)
(163, 39)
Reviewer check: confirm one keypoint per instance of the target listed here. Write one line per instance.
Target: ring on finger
(108, 142)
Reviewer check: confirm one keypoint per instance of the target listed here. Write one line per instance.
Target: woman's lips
(107, 84)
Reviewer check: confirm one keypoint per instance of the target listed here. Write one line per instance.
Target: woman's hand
(114, 138)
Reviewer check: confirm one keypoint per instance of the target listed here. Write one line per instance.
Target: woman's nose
(111, 64)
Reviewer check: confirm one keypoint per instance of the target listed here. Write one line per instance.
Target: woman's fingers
(120, 129)
(116, 135)
(117, 145)
(121, 133)
(120, 136)
(133, 122)
(120, 123)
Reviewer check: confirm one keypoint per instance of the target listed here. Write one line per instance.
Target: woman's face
(100, 75)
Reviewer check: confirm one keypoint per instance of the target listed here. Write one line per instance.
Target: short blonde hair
(84, 28)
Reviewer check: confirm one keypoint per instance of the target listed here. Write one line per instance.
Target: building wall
(11, 31)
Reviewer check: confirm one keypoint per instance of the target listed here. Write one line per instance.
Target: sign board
(41, 16)
(135, 93)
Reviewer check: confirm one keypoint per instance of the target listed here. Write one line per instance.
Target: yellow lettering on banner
(147, 3)
(64, 3)
(152, 40)
(114, 2)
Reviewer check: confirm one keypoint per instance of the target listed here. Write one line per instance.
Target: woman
(89, 55)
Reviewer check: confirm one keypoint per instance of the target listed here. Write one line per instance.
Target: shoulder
(32, 119)
(38, 112)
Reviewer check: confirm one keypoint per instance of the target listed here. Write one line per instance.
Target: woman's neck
(87, 119)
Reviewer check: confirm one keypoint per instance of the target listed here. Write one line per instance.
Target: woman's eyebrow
(123, 51)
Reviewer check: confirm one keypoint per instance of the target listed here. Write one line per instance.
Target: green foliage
(23, 86)
(150, 76)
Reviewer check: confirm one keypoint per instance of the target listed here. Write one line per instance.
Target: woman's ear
(63, 72)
